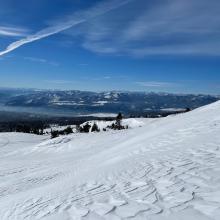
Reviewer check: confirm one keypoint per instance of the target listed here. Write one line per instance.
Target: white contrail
(39, 35)
(78, 18)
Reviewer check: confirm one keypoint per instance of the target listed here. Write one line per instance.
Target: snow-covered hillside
(168, 169)
(102, 124)
(129, 122)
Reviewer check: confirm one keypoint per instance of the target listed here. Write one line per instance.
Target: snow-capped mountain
(98, 102)
(167, 169)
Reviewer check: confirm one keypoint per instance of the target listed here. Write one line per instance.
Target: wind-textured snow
(168, 169)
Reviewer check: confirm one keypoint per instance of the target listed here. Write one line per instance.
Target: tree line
(86, 128)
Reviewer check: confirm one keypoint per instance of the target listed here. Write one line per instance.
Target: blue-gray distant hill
(83, 102)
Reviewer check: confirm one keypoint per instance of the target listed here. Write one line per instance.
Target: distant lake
(40, 110)
(54, 111)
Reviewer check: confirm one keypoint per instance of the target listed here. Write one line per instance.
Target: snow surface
(168, 169)
(130, 122)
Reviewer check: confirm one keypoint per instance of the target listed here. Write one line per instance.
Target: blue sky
(138, 45)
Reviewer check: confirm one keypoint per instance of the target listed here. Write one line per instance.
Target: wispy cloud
(60, 81)
(68, 22)
(41, 60)
(138, 28)
(13, 31)
(107, 77)
(161, 27)
(83, 64)
(34, 59)
(155, 84)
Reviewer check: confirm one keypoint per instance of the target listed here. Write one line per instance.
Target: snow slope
(168, 169)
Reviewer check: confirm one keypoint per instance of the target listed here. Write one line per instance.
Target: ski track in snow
(168, 169)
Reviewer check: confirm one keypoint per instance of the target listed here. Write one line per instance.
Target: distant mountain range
(83, 102)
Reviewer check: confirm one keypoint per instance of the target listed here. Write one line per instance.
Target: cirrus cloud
(139, 28)
(161, 27)
(68, 22)
(13, 31)
(155, 84)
